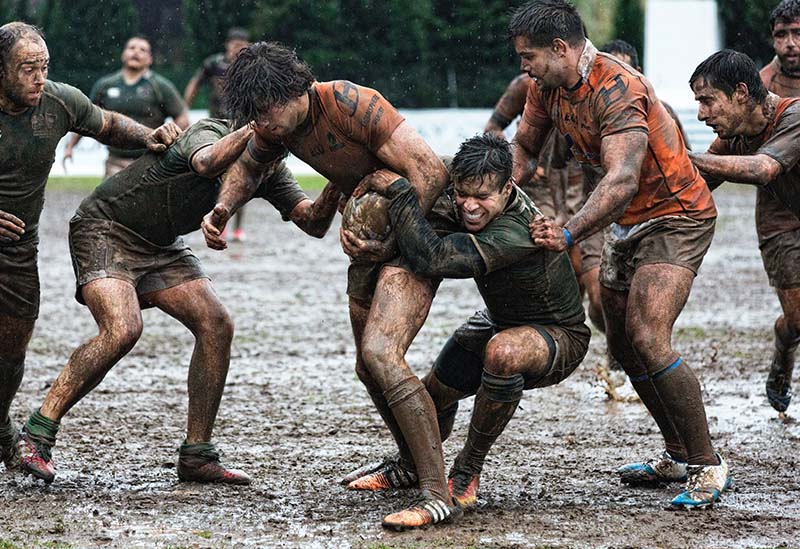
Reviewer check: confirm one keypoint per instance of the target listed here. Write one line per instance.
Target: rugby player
(532, 332)
(138, 92)
(35, 114)
(212, 72)
(128, 254)
(346, 131)
(661, 216)
(757, 143)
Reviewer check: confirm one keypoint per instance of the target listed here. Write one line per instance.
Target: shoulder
(610, 76)
(346, 96)
(63, 93)
(520, 84)
(159, 80)
(769, 71)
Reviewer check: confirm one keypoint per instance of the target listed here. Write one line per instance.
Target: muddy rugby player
(662, 220)
(128, 254)
(35, 114)
(212, 73)
(757, 143)
(138, 92)
(532, 332)
(346, 131)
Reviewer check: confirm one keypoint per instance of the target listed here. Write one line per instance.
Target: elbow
(316, 232)
(203, 166)
(769, 173)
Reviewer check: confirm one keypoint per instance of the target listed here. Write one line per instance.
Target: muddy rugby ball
(367, 217)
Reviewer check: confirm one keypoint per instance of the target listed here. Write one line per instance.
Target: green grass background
(307, 182)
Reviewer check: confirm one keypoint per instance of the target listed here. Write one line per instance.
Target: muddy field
(295, 416)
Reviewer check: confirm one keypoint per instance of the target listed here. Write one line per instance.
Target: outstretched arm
(757, 169)
(125, 133)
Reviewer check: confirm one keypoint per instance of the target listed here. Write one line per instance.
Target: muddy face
(725, 115)
(24, 74)
(137, 55)
(480, 199)
(786, 41)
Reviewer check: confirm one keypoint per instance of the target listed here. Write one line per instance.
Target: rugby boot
(201, 463)
(35, 457)
(463, 488)
(779, 382)
(427, 511)
(704, 485)
(389, 475)
(365, 470)
(657, 470)
(9, 439)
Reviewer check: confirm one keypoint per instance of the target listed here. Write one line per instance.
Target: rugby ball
(367, 217)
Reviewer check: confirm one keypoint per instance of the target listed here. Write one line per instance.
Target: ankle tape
(502, 388)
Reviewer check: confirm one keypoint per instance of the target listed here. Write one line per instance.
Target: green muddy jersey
(520, 282)
(149, 101)
(160, 197)
(28, 146)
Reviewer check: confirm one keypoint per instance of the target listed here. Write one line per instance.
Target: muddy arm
(211, 161)
(315, 218)
(757, 169)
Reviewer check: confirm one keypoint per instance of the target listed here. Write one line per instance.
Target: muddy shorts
(460, 364)
(115, 164)
(104, 249)
(362, 278)
(19, 280)
(781, 257)
(675, 240)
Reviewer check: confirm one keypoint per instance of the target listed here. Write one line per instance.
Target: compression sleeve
(454, 256)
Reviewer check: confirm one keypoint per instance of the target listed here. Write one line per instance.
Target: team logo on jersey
(113, 93)
(346, 94)
(144, 93)
(43, 124)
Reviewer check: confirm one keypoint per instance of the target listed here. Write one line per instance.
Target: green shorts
(19, 280)
(104, 249)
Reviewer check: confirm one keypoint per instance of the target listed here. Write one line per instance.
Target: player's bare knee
(377, 354)
(501, 358)
(217, 324)
(122, 334)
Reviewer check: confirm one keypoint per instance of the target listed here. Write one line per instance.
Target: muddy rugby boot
(427, 511)
(35, 457)
(655, 470)
(779, 388)
(704, 485)
(200, 463)
(9, 439)
(387, 476)
(463, 488)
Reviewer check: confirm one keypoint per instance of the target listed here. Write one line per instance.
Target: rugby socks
(644, 387)
(10, 377)
(415, 413)
(679, 391)
(406, 460)
(41, 429)
(495, 404)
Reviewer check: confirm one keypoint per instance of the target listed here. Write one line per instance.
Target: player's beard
(15, 94)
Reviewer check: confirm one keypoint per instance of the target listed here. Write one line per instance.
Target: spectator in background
(213, 72)
(139, 93)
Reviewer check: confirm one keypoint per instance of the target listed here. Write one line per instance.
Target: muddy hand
(377, 181)
(163, 136)
(212, 226)
(547, 234)
(367, 251)
(11, 227)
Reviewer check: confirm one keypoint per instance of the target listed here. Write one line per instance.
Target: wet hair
(542, 21)
(264, 75)
(785, 12)
(481, 155)
(10, 33)
(621, 46)
(725, 69)
(238, 33)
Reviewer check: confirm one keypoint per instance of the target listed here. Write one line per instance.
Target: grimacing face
(541, 63)
(479, 200)
(786, 41)
(282, 120)
(725, 115)
(25, 72)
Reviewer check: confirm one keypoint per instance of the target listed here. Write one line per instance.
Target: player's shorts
(115, 164)
(591, 250)
(781, 257)
(104, 249)
(460, 364)
(675, 240)
(362, 278)
(19, 280)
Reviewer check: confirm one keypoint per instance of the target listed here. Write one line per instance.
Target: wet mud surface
(295, 416)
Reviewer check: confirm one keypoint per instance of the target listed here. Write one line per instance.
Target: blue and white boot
(704, 485)
(657, 470)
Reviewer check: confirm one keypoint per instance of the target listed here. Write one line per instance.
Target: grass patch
(5, 544)
(205, 534)
(87, 184)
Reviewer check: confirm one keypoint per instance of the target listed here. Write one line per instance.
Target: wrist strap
(568, 238)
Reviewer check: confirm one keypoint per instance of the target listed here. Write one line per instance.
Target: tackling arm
(757, 169)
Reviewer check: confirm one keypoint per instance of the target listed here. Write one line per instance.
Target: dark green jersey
(160, 197)
(149, 101)
(520, 282)
(28, 145)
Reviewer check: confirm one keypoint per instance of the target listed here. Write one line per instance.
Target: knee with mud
(652, 347)
(120, 337)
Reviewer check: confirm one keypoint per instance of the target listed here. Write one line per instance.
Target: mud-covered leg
(787, 337)
(15, 333)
